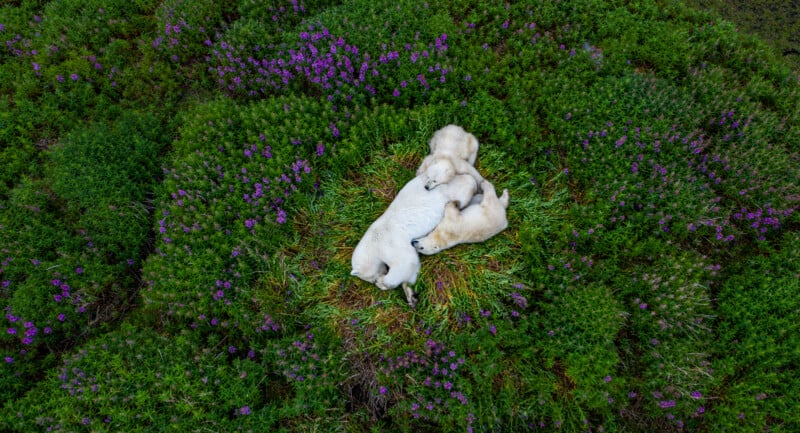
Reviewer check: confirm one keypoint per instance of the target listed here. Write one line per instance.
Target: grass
(184, 184)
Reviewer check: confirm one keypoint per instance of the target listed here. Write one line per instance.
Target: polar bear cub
(453, 151)
(384, 255)
(482, 219)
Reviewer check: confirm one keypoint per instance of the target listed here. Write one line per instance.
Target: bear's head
(440, 171)
(427, 245)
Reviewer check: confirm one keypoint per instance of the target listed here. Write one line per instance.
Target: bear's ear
(354, 272)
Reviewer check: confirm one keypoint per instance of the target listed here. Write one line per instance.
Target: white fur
(453, 151)
(482, 219)
(384, 255)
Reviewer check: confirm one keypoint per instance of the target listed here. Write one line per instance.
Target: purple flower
(74, 77)
(9, 359)
(697, 395)
(245, 410)
(382, 390)
(519, 300)
(607, 379)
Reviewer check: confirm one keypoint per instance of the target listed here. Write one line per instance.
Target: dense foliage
(184, 182)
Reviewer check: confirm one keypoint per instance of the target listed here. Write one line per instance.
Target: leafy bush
(70, 239)
(229, 199)
(136, 380)
(758, 356)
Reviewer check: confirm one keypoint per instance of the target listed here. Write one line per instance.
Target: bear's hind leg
(403, 270)
(410, 296)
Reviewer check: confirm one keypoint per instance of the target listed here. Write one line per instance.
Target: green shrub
(227, 202)
(756, 364)
(183, 28)
(136, 380)
(71, 238)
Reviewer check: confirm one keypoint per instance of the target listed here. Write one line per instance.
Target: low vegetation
(184, 182)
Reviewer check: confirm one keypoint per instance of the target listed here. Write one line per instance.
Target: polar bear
(384, 255)
(453, 151)
(483, 218)
(439, 169)
(453, 140)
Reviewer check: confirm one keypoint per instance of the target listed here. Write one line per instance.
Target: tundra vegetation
(183, 183)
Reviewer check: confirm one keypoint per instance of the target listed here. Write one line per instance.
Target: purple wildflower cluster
(439, 371)
(573, 264)
(301, 364)
(261, 195)
(64, 304)
(670, 403)
(26, 46)
(45, 60)
(719, 186)
(182, 31)
(763, 201)
(268, 324)
(222, 204)
(674, 306)
(340, 70)
(77, 383)
(520, 302)
(188, 29)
